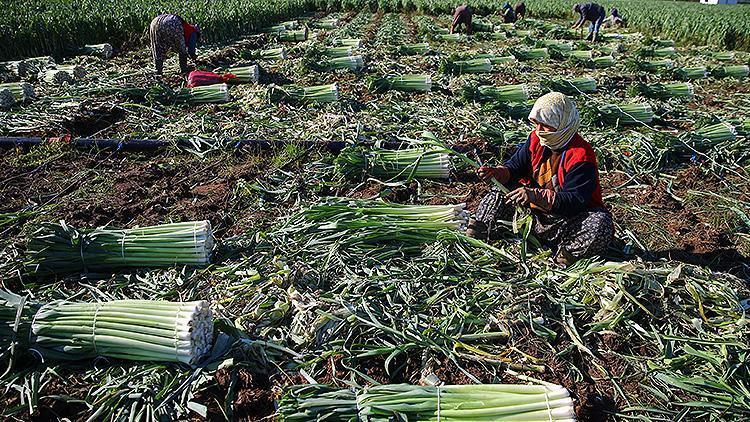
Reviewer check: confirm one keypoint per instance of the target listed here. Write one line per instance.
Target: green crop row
(40, 27)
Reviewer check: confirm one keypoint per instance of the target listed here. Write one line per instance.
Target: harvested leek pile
(531, 54)
(530, 403)
(402, 164)
(507, 93)
(692, 73)
(406, 83)
(352, 63)
(313, 94)
(664, 91)
(245, 74)
(414, 49)
(459, 67)
(142, 330)
(62, 249)
(625, 114)
(574, 86)
(736, 71)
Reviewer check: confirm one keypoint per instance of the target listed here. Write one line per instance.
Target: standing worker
(462, 15)
(555, 174)
(520, 9)
(593, 13)
(171, 32)
(509, 15)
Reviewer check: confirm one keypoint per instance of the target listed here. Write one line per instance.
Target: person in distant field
(555, 174)
(614, 19)
(509, 15)
(462, 15)
(171, 32)
(590, 12)
(520, 9)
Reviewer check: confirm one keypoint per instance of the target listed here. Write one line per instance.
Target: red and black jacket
(577, 174)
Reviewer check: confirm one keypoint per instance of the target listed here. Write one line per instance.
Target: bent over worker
(520, 9)
(590, 12)
(555, 174)
(462, 15)
(171, 32)
(509, 15)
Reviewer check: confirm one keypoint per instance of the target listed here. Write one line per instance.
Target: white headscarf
(557, 110)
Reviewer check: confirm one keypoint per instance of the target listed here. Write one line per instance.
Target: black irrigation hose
(135, 145)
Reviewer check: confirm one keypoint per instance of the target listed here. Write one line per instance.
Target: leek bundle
(245, 74)
(490, 402)
(375, 224)
(657, 52)
(271, 54)
(626, 114)
(478, 25)
(738, 71)
(531, 54)
(406, 83)
(313, 94)
(16, 92)
(414, 49)
(293, 24)
(449, 37)
(218, 93)
(514, 110)
(664, 91)
(348, 42)
(507, 93)
(459, 67)
(655, 65)
(62, 249)
(723, 56)
(404, 164)
(561, 47)
(334, 52)
(30, 67)
(692, 73)
(603, 62)
(581, 55)
(293, 35)
(521, 33)
(576, 86)
(104, 51)
(353, 63)
(494, 59)
(64, 74)
(142, 330)
(326, 24)
(711, 135)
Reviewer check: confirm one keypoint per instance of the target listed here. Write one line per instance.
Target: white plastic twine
(437, 389)
(175, 335)
(93, 327)
(546, 398)
(122, 244)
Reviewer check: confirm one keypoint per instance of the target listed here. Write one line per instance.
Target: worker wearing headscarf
(614, 19)
(509, 15)
(555, 174)
(171, 32)
(590, 12)
(462, 15)
(520, 9)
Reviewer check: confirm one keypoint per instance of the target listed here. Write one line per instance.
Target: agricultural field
(318, 208)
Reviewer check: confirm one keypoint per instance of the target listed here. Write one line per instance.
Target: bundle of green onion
(603, 62)
(218, 93)
(245, 74)
(28, 67)
(326, 24)
(482, 402)
(575, 86)
(343, 51)
(708, 136)
(348, 42)
(271, 54)
(657, 52)
(293, 35)
(521, 33)
(692, 73)
(64, 74)
(459, 67)
(514, 110)
(406, 83)
(353, 63)
(414, 49)
(506, 93)
(17, 92)
(449, 37)
(404, 164)
(738, 71)
(561, 47)
(531, 54)
(626, 114)
(61, 249)
(723, 56)
(478, 25)
(495, 59)
(105, 51)
(581, 56)
(655, 65)
(664, 91)
(293, 24)
(143, 330)
(295, 93)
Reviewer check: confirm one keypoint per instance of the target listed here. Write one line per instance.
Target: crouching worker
(614, 19)
(462, 15)
(555, 174)
(520, 9)
(171, 32)
(509, 15)
(590, 12)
